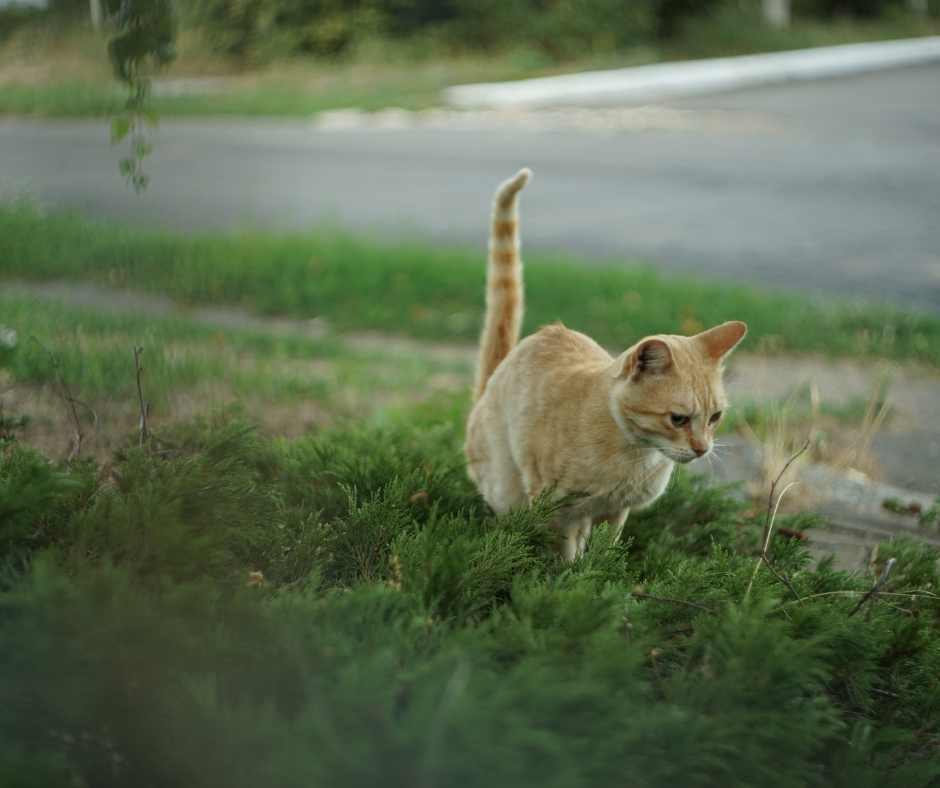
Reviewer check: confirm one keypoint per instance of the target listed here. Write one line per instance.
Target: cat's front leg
(617, 520)
(574, 533)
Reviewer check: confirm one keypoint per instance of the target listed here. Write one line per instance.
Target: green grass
(240, 611)
(93, 99)
(75, 77)
(432, 293)
(269, 374)
(197, 367)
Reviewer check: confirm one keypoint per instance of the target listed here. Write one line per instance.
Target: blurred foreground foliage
(342, 610)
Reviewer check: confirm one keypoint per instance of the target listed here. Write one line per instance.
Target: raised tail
(503, 282)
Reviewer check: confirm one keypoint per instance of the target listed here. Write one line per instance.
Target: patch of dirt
(50, 429)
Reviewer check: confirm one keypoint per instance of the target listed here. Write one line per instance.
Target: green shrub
(266, 28)
(394, 632)
(557, 28)
(672, 15)
(828, 9)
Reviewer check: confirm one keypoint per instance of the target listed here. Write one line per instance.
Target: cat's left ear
(719, 341)
(651, 357)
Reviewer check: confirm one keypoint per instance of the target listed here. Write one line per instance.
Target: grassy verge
(56, 72)
(287, 90)
(285, 380)
(438, 294)
(287, 384)
(340, 610)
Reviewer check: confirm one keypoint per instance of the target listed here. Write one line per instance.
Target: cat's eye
(678, 420)
(716, 417)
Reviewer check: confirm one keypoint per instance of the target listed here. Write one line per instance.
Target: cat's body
(556, 411)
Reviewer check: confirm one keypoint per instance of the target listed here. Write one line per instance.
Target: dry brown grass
(843, 445)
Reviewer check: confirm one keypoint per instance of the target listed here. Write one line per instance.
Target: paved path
(828, 186)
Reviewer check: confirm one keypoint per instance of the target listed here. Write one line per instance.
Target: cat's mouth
(682, 458)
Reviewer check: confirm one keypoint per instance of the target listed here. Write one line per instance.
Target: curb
(666, 80)
(855, 519)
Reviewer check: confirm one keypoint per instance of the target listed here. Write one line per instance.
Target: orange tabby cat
(556, 411)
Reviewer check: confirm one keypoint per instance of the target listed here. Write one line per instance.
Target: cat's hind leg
(500, 482)
(490, 465)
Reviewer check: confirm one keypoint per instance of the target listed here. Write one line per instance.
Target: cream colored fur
(558, 412)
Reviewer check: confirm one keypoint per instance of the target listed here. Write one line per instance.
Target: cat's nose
(700, 451)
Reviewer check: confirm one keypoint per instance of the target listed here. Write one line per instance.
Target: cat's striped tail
(503, 282)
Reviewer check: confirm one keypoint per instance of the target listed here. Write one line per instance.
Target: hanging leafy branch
(144, 42)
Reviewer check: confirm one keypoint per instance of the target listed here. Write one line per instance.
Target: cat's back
(557, 347)
(553, 356)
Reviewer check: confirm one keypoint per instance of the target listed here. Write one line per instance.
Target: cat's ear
(651, 356)
(719, 341)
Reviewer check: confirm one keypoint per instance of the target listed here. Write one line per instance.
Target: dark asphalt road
(835, 189)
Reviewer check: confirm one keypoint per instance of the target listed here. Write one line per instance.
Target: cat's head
(668, 391)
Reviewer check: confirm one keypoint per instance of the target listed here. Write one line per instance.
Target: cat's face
(669, 393)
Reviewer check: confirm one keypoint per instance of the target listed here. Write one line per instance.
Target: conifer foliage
(342, 610)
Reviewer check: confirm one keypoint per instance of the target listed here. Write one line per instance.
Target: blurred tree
(144, 41)
(328, 28)
(671, 14)
(834, 8)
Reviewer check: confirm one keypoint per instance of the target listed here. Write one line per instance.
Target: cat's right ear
(650, 357)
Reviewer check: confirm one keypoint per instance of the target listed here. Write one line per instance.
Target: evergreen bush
(342, 610)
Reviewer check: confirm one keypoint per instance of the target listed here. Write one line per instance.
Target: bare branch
(780, 576)
(144, 405)
(91, 410)
(910, 595)
(772, 505)
(876, 587)
(66, 393)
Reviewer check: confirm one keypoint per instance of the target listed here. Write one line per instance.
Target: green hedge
(221, 609)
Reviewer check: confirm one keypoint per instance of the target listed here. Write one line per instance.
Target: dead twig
(876, 587)
(66, 394)
(780, 576)
(772, 506)
(144, 405)
(911, 595)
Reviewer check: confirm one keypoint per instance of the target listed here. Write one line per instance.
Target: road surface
(830, 186)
